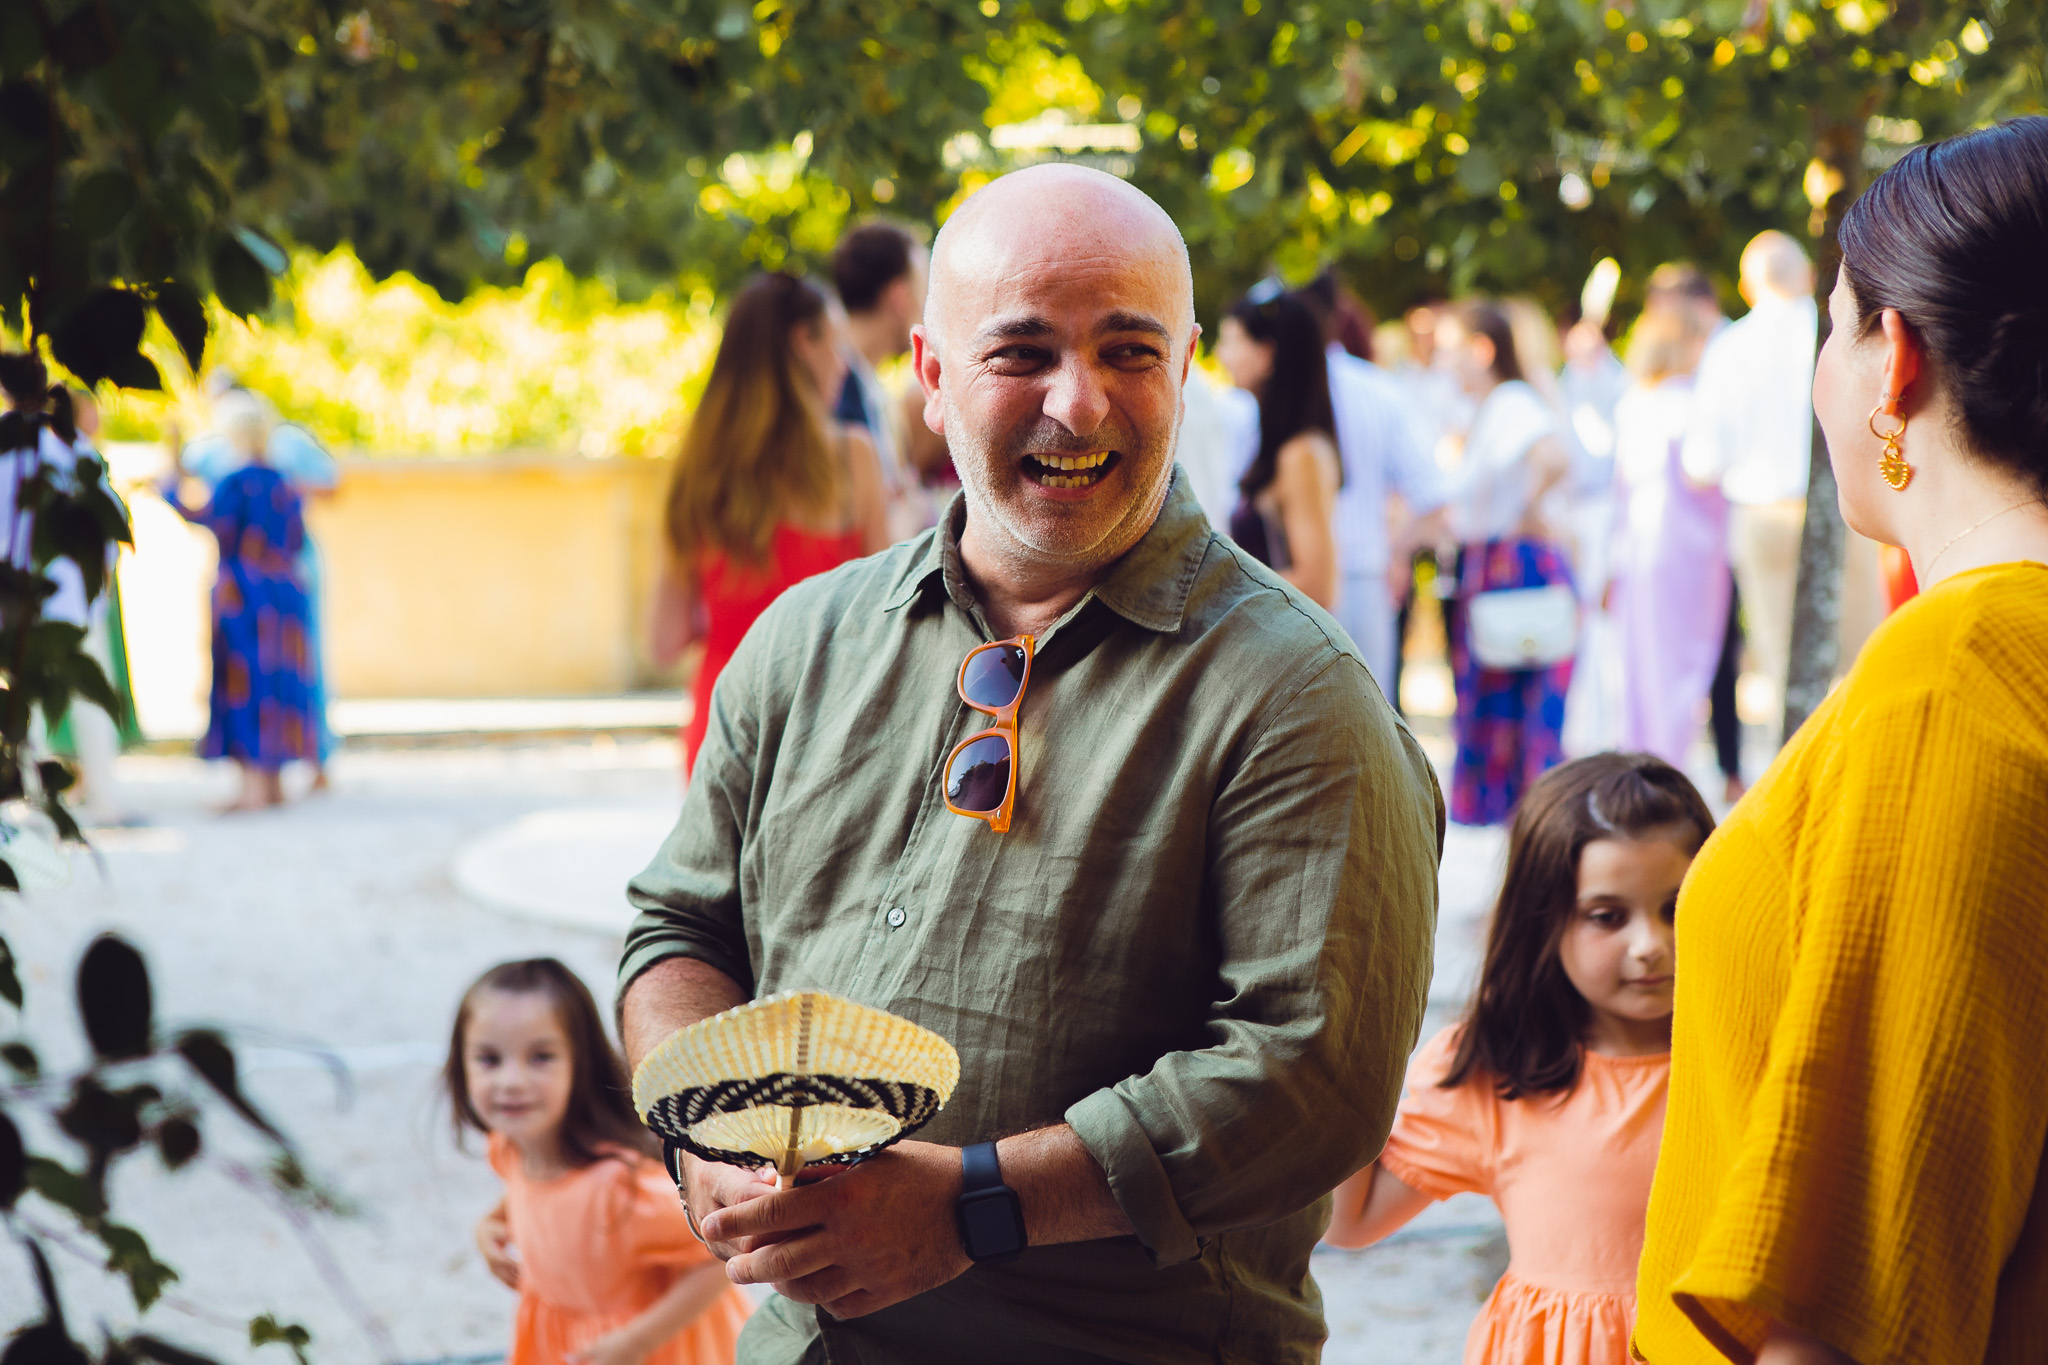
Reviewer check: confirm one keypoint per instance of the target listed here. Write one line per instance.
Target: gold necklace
(1978, 527)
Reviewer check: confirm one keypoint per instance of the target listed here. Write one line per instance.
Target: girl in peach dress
(1549, 1096)
(590, 1231)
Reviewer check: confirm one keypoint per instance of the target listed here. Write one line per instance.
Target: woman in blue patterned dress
(261, 706)
(1509, 722)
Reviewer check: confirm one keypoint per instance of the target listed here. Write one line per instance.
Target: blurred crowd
(1603, 523)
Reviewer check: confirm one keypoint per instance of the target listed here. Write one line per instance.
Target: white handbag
(1523, 628)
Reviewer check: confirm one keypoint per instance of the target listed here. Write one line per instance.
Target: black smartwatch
(991, 1219)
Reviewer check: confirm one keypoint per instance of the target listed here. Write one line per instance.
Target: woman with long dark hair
(1852, 1166)
(1509, 723)
(1273, 349)
(767, 490)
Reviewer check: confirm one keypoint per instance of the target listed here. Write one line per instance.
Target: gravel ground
(350, 923)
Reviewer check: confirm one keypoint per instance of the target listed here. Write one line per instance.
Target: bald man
(1751, 435)
(1182, 943)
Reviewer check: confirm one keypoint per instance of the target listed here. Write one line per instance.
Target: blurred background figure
(879, 269)
(1439, 408)
(1272, 348)
(767, 489)
(1683, 285)
(1393, 495)
(260, 706)
(292, 451)
(1506, 517)
(1670, 589)
(1751, 436)
(84, 731)
(87, 733)
(1592, 382)
(1219, 431)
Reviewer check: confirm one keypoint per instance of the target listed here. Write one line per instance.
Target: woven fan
(794, 1080)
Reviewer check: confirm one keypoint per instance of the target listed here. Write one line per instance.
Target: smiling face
(1058, 335)
(1619, 949)
(518, 1065)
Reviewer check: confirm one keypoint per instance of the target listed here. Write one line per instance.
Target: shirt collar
(1148, 587)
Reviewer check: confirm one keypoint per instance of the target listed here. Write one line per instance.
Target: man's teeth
(1080, 463)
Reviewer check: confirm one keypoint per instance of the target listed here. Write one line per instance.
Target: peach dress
(1571, 1175)
(597, 1247)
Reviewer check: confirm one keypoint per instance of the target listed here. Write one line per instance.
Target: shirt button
(896, 917)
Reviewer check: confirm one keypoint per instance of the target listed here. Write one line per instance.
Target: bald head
(1775, 266)
(1035, 218)
(1056, 339)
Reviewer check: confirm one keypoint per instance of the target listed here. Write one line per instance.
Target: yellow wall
(511, 576)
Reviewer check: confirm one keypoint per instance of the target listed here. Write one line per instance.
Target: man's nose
(1076, 397)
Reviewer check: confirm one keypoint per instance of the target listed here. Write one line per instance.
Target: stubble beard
(1039, 534)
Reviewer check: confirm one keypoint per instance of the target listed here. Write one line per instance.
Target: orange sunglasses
(981, 772)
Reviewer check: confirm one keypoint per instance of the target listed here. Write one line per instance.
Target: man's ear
(924, 362)
(1187, 362)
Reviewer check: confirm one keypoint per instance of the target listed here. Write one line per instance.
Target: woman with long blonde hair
(767, 489)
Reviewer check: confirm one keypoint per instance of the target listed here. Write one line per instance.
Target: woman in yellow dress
(1852, 1155)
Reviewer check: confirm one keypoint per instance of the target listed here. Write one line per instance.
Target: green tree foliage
(1444, 147)
(123, 129)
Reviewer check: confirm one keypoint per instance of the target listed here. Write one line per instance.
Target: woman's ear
(1903, 360)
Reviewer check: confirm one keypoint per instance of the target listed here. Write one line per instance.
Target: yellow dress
(1859, 1062)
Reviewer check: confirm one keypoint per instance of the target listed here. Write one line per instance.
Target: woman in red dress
(767, 489)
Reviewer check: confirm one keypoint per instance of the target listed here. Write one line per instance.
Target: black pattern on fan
(673, 1116)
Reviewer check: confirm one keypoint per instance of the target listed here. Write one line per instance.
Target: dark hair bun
(1955, 236)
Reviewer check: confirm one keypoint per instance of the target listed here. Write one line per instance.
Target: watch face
(991, 1226)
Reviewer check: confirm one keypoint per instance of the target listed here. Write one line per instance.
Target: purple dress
(1670, 575)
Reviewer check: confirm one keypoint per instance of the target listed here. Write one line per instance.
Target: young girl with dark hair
(1859, 1080)
(1549, 1096)
(590, 1232)
(1285, 518)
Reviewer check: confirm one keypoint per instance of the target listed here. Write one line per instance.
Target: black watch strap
(990, 1215)
(979, 1169)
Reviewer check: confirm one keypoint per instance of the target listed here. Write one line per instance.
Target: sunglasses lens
(993, 676)
(979, 776)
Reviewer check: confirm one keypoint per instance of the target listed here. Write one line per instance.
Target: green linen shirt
(1204, 942)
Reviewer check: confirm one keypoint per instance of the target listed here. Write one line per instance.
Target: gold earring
(1892, 464)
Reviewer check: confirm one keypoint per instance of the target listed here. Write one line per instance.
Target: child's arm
(685, 1301)
(494, 1240)
(1370, 1206)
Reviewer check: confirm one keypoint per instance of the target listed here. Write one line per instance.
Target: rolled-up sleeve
(1322, 883)
(688, 898)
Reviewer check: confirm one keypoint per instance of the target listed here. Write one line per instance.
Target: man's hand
(871, 1236)
(494, 1240)
(713, 1185)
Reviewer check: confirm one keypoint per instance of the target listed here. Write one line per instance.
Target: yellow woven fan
(793, 1080)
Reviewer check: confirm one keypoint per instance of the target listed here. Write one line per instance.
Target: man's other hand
(876, 1234)
(713, 1185)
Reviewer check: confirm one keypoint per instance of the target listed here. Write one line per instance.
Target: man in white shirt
(1752, 436)
(1382, 451)
(1219, 425)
